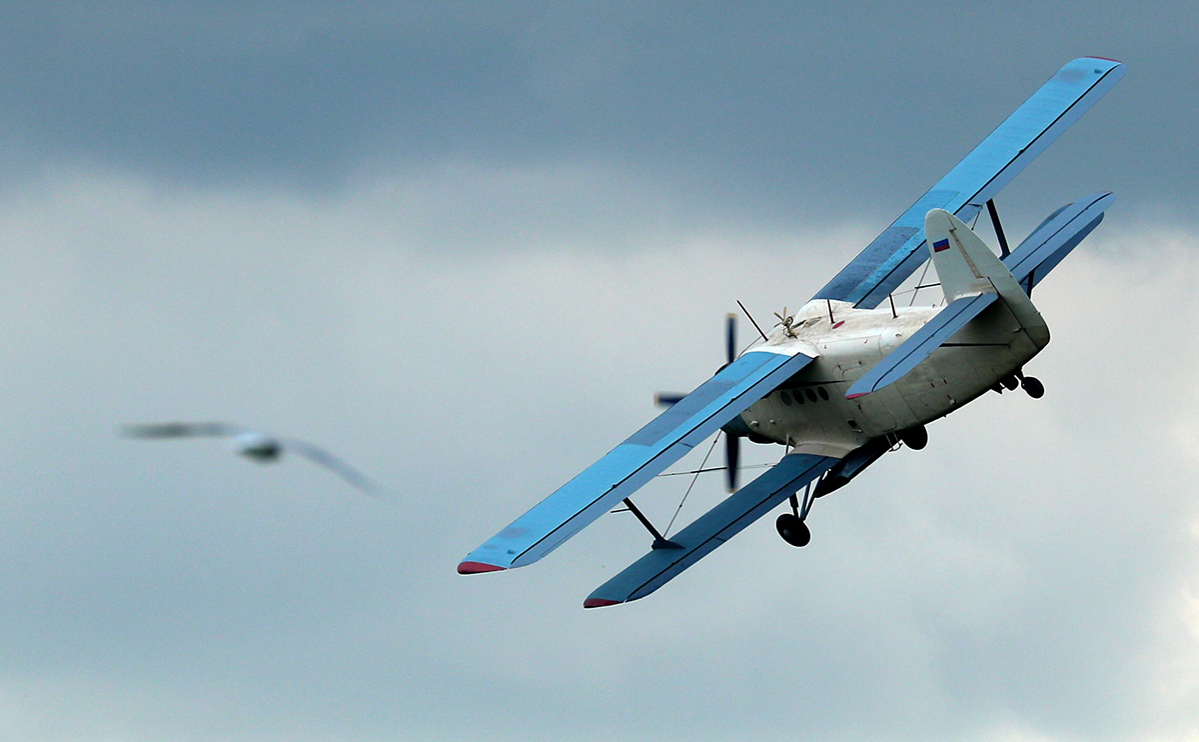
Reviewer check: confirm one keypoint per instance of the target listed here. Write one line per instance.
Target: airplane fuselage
(810, 412)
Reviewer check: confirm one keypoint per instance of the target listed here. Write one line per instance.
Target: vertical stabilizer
(967, 267)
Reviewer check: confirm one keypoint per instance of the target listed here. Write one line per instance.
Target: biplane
(850, 375)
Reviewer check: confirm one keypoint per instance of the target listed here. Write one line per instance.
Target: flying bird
(254, 445)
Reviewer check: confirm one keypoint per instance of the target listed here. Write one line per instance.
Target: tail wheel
(915, 438)
(1033, 386)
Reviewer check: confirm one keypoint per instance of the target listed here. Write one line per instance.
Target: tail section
(973, 279)
(967, 267)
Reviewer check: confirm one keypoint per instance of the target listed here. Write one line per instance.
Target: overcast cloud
(461, 246)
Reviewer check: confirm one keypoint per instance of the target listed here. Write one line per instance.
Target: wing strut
(1003, 248)
(660, 541)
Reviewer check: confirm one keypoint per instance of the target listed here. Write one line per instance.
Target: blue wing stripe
(1035, 125)
(712, 529)
(1053, 240)
(920, 345)
(634, 462)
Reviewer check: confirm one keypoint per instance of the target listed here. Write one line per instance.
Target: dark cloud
(462, 245)
(787, 110)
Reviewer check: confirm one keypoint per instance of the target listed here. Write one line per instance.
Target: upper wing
(896, 253)
(637, 460)
(712, 529)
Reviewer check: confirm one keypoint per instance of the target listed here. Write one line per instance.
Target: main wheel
(915, 438)
(793, 530)
(1033, 386)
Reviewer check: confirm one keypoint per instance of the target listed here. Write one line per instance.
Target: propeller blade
(731, 337)
(732, 457)
(667, 399)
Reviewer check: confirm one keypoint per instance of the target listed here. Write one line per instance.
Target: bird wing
(181, 430)
(329, 461)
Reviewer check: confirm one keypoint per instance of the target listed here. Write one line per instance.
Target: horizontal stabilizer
(712, 529)
(1053, 240)
(921, 345)
(896, 253)
(641, 457)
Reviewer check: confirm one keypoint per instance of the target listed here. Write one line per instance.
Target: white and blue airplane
(849, 376)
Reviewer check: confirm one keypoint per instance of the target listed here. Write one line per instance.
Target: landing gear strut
(1030, 384)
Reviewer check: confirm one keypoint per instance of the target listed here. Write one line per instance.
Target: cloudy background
(462, 244)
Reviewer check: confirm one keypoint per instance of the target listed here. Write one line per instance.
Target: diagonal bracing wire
(666, 531)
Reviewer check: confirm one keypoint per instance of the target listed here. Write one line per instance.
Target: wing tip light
(600, 602)
(474, 568)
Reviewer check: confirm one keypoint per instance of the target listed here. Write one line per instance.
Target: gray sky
(461, 245)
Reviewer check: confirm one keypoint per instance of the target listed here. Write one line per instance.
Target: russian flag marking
(940, 245)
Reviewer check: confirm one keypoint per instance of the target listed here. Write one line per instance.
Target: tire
(793, 530)
(1034, 387)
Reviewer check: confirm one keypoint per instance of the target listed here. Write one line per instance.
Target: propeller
(786, 321)
(732, 441)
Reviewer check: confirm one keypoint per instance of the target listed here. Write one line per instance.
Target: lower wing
(637, 460)
(712, 529)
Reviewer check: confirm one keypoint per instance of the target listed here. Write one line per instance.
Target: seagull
(254, 445)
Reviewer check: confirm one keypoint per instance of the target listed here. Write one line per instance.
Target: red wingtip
(855, 396)
(474, 568)
(599, 603)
